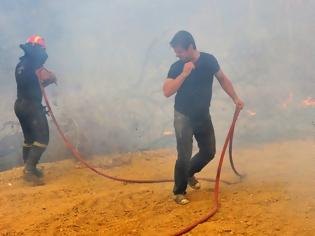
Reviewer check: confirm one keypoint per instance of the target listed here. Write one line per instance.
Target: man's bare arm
(228, 88)
(171, 86)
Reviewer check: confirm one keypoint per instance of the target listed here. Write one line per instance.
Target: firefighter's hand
(52, 80)
(46, 77)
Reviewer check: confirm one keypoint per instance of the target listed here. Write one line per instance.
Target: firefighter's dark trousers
(32, 117)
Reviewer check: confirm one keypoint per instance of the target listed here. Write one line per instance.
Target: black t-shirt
(27, 83)
(194, 96)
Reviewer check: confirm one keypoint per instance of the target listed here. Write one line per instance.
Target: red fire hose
(215, 208)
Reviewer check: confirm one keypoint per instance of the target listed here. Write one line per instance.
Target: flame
(287, 101)
(167, 133)
(250, 113)
(309, 102)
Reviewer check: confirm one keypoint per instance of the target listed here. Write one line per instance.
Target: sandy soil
(276, 198)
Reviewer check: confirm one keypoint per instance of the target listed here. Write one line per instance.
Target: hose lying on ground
(228, 140)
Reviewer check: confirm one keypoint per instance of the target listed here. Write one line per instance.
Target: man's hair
(183, 39)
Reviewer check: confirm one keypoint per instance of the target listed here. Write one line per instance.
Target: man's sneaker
(193, 183)
(181, 199)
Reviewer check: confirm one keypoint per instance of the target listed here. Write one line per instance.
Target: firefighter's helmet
(35, 39)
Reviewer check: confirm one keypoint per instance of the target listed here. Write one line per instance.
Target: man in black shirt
(29, 73)
(191, 78)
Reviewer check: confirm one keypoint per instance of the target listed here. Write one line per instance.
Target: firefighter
(30, 76)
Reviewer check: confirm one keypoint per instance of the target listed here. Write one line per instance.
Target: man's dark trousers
(185, 129)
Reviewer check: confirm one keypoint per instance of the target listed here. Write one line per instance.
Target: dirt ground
(276, 198)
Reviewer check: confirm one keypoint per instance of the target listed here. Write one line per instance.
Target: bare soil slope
(276, 198)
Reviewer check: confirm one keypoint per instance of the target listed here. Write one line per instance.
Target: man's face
(184, 54)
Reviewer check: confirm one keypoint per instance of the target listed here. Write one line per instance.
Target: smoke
(111, 58)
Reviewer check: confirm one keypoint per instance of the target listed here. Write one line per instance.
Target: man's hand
(188, 67)
(171, 85)
(239, 103)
